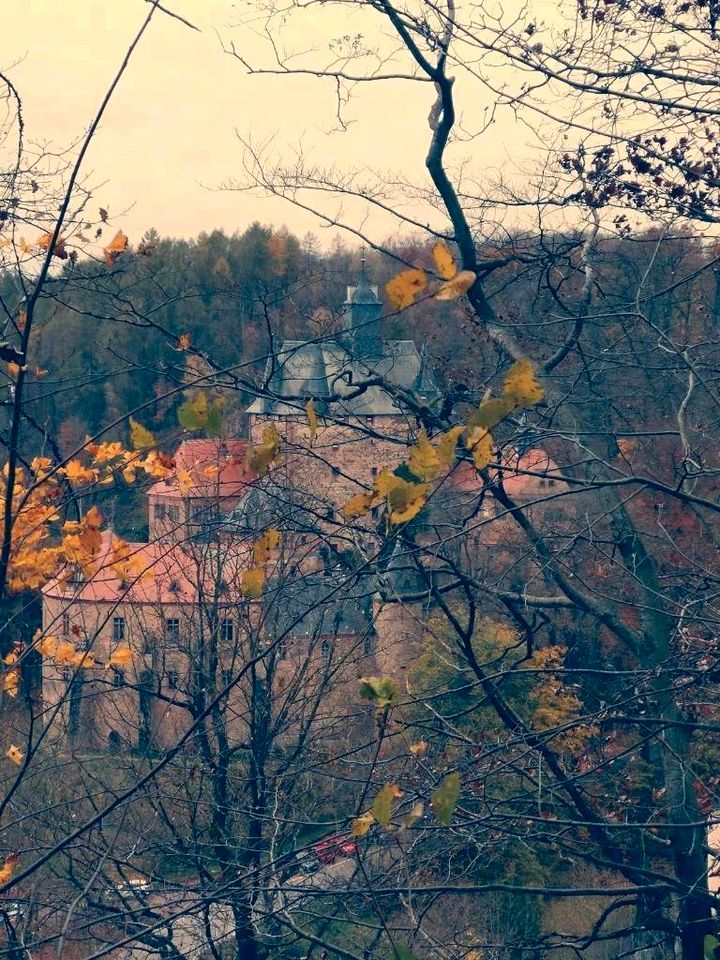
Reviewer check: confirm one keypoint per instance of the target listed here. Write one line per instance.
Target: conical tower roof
(363, 293)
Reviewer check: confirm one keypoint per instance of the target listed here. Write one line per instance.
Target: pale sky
(169, 138)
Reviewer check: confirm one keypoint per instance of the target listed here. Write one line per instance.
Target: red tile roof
(160, 573)
(207, 469)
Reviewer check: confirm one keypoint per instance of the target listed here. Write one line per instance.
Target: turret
(362, 312)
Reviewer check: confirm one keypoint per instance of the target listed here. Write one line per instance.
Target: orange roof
(156, 573)
(207, 469)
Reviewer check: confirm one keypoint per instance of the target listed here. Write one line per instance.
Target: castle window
(118, 629)
(67, 674)
(335, 471)
(173, 679)
(159, 511)
(373, 471)
(118, 678)
(369, 644)
(173, 514)
(551, 483)
(172, 631)
(66, 623)
(325, 649)
(227, 631)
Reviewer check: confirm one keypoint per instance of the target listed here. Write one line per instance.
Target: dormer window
(160, 512)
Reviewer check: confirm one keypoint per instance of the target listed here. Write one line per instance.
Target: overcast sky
(169, 139)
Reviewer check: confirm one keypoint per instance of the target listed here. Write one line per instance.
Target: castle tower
(362, 311)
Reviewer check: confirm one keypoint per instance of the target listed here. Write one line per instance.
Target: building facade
(170, 623)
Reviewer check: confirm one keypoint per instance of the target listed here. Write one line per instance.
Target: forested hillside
(116, 332)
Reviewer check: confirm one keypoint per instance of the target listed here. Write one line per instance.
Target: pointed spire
(363, 292)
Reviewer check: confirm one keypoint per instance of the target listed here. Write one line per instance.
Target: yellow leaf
(184, 341)
(424, 461)
(380, 690)
(358, 505)
(312, 419)
(117, 245)
(253, 581)
(362, 824)
(480, 443)
(193, 414)
(8, 868)
(491, 412)
(444, 260)
(383, 804)
(268, 542)
(402, 289)
(121, 657)
(40, 373)
(185, 481)
(445, 798)
(15, 754)
(65, 653)
(11, 682)
(521, 385)
(457, 287)
(47, 646)
(140, 437)
(82, 658)
(259, 458)
(428, 461)
(418, 749)
(404, 500)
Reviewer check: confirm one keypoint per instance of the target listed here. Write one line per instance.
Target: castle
(167, 625)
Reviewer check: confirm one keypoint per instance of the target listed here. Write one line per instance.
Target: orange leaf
(117, 245)
(8, 868)
(184, 341)
(59, 250)
(90, 536)
(15, 754)
(444, 260)
(402, 289)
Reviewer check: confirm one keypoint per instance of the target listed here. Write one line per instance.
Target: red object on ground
(335, 848)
